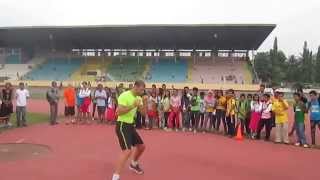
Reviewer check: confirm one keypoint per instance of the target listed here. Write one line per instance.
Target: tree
(274, 67)
(262, 65)
(292, 73)
(277, 60)
(306, 60)
(317, 67)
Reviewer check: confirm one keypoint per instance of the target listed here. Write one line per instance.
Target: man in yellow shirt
(221, 111)
(280, 108)
(129, 103)
(230, 113)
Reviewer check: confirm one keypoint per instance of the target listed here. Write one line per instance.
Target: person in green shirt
(129, 102)
(300, 109)
(242, 111)
(247, 122)
(195, 110)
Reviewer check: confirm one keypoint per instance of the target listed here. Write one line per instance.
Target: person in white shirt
(85, 94)
(21, 95)
(100, 96)
(266, 116)
(256, 108)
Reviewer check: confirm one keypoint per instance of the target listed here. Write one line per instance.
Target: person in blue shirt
(314, 108)
(79, 103)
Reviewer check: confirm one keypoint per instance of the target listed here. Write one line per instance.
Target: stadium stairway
(92, 64)
(127, 69)
(189, 76)
(146, 69)
(248, 73)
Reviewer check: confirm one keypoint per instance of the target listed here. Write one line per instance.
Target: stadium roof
(195, 36)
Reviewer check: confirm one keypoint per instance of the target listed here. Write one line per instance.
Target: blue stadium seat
(57, 69)
(168, 70)
(13, 59)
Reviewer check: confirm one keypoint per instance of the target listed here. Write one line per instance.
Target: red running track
(41, 106)
(89, 152)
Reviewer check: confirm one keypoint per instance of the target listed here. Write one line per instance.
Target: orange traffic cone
(239, 133)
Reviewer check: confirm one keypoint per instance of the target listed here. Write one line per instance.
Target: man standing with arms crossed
(130, 142)
(53, 100)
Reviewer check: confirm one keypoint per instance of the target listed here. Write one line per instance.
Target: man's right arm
(124, 109)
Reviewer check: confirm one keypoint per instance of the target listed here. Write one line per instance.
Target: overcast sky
(297, 20)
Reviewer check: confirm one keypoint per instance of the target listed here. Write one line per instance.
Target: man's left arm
(142, 108)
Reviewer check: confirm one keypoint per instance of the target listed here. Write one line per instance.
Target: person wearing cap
(280, 108)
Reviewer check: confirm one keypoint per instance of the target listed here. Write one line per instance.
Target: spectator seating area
(220, 70)
(55, 69)
(14, 71)
(91, 69)
(127, 69)
(168, 70)
(13, 59)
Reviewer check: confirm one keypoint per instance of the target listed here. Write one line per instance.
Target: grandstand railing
(237, 87)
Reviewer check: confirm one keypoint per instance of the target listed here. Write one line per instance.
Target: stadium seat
(127, 70)
(96, 64)
(221, 70)
(58, 69)
(168, 70)
(13, 59)
(14, 71)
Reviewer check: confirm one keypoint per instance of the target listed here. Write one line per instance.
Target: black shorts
(127, 135)
(69, 111)
(101, 110)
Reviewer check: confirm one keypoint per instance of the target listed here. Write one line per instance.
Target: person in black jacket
(185, 105)
(7, 106)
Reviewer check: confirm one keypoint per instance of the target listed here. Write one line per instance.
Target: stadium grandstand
(211, 56)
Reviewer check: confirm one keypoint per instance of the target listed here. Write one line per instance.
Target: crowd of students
(196, 111)
(192, 110)
(80, 101)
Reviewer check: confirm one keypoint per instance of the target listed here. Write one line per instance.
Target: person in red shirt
(69, 95)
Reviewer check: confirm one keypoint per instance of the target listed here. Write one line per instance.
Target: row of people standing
(83, 103)
(206, 112)
(8, 95)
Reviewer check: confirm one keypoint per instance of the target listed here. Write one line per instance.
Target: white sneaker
(115, 177)
(184, 129)
(190, 129)
(297, 144)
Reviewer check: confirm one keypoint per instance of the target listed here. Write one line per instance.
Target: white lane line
(20, 140)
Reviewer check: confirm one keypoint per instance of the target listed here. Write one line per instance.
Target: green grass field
(32, 118)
